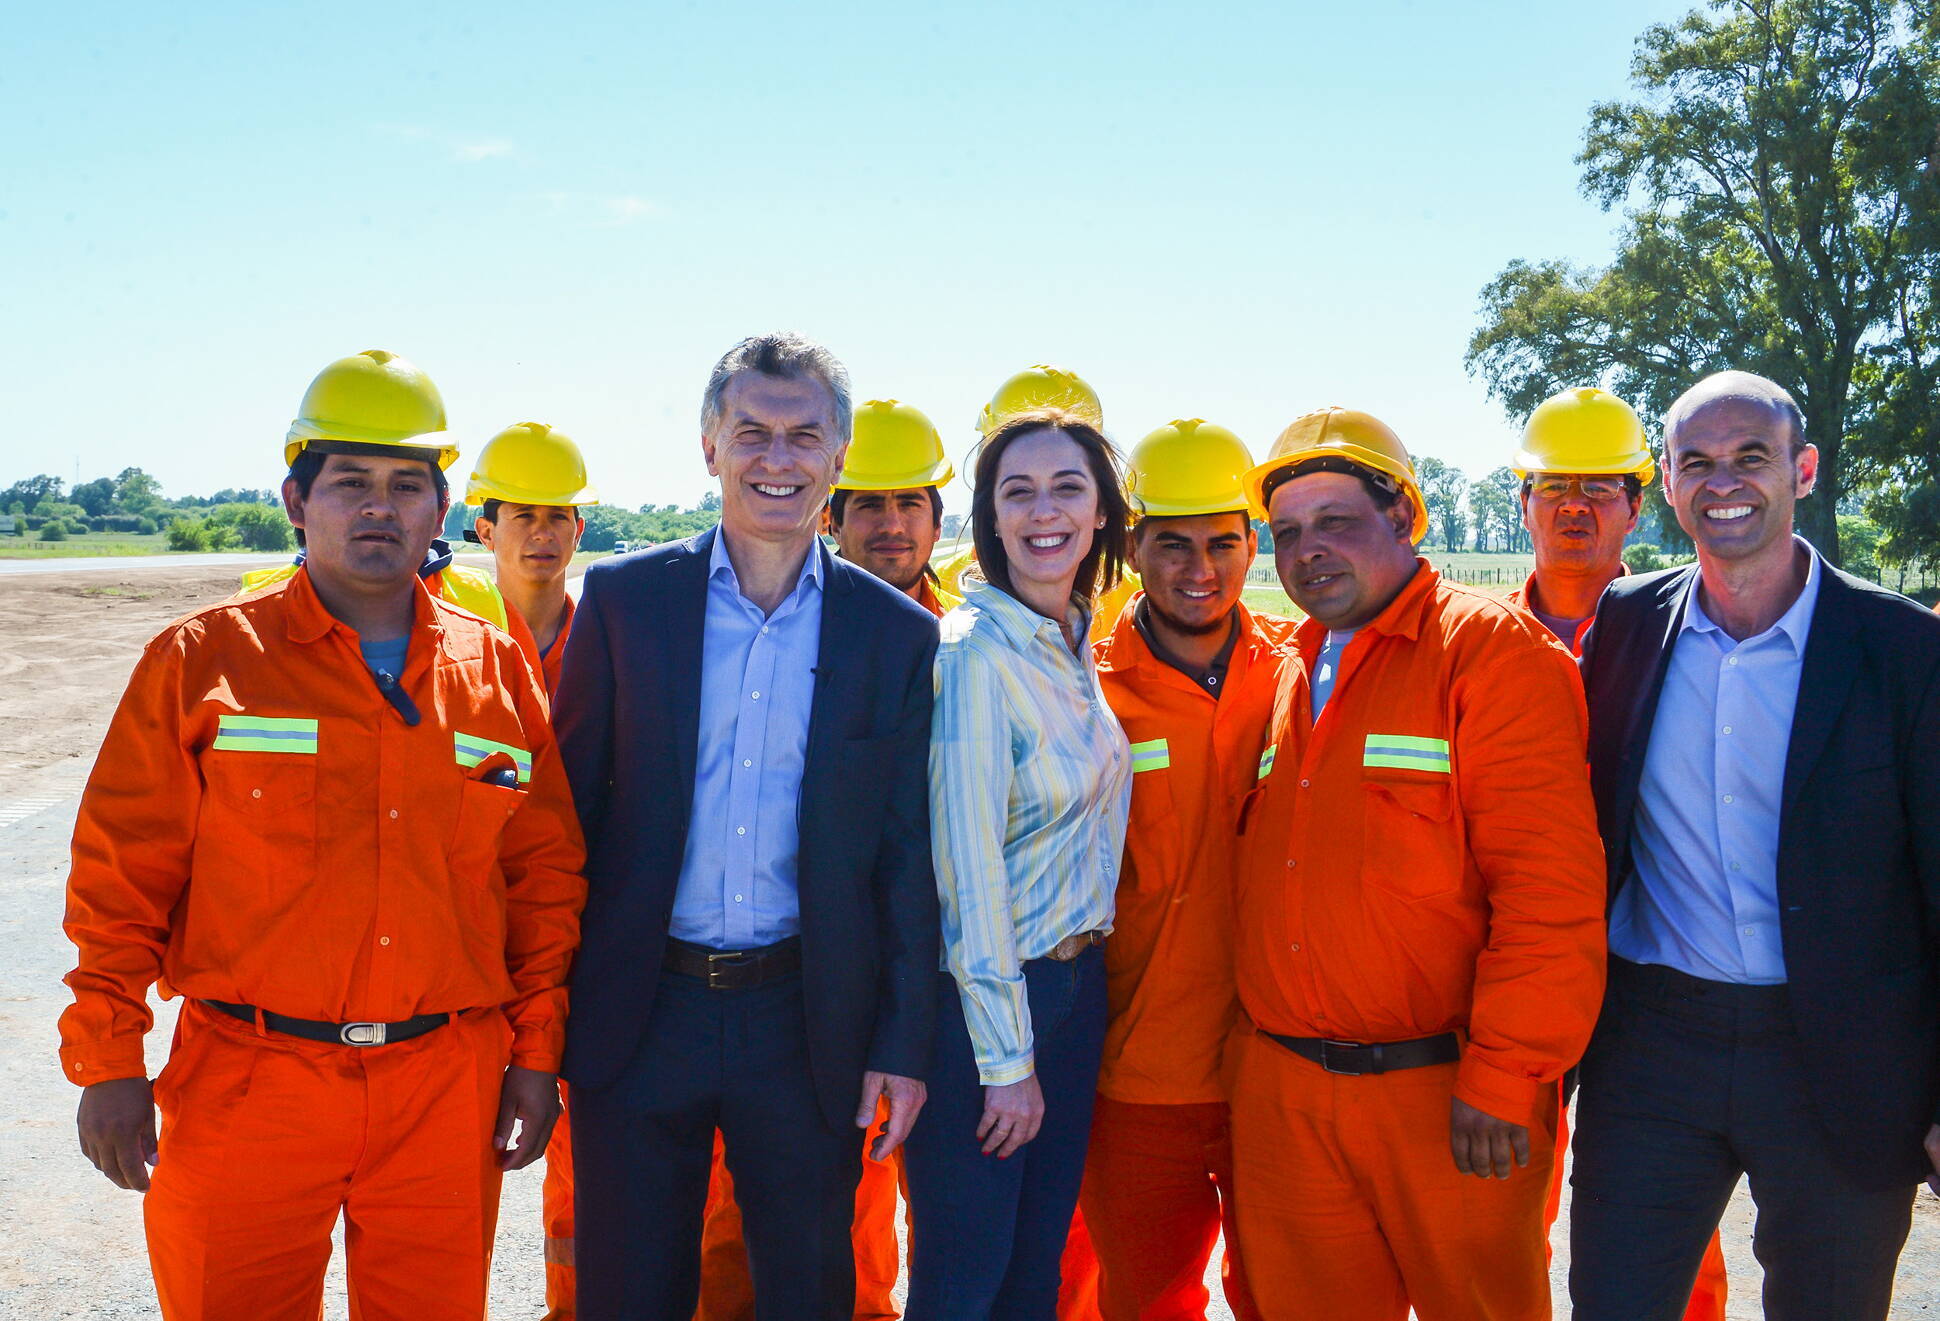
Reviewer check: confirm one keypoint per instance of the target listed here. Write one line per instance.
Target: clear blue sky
(1236, 212)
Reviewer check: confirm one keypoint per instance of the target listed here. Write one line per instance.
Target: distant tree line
(608, 525)
(132, 502)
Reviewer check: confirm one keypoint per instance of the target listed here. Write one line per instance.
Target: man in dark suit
(745, 721)
(1765, 749)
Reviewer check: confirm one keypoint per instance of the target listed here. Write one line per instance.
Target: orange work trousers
(556, 1208)
(1078, 1272)
(1708, 1294)
(727, 1291)
(1350, 1206)
(267, 1139)
(1157, 1192)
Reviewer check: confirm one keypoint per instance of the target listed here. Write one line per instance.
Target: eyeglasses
(1601, 490)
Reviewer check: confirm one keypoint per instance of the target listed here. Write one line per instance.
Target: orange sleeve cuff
(103, 1061)
(1506, 1096)
(538, 1047)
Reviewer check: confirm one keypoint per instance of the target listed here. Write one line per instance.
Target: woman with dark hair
(1029, 785)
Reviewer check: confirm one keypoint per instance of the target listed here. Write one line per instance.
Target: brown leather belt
(1363, 1057)
(1072, 946)
(734, 969)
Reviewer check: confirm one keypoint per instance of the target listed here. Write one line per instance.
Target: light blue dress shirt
(737, 887)
(1704, 849)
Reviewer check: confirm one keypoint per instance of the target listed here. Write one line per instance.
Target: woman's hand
(1012, 1115)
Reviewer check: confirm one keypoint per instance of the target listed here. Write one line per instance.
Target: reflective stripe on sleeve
(1406, 752)
(266, 734)
(470, 749)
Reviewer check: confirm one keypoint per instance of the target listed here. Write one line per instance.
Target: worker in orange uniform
(331, 816)
(1191, 674)
(1584, 464)
(529, 483)
(885, 512)
(1421, 947)
(409, 405)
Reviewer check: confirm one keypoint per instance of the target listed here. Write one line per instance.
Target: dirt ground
(70, 1242)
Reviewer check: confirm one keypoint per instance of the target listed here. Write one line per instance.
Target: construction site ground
(70, 1242)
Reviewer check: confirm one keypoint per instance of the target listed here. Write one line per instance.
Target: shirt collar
(1402, 617)
(1018, 622)
(307, 619)
(718, 562)
(1795, 623)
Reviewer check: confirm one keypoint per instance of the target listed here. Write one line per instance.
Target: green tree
(1442, 487)
(1780, 172)
(97, 496)
(55, 530)
(136, 491)
(1493, 505)
(31, 491)
(257, 527)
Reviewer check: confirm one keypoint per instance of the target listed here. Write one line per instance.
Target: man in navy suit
(1765, 750)
(745, 721)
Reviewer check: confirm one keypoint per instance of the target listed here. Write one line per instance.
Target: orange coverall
(1158, 1175)
(262, 827)
(1713, 1285)
(1423, 859)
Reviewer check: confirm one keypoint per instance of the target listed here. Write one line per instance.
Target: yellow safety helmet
(529, 463)
(1188, 467)
(1341, 433)
(372, 398)
(1041, 387)
(1585, 431)
(895, 447)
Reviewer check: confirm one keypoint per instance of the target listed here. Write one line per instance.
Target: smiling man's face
(1734, 474)
(367, 520)
(776, 451)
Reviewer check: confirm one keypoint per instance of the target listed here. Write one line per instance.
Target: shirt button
(764, 630)
(737, 898)
(1725, 730)
(754, 697)
(1305, 783)
(740, 830)
(1727, 798)
(258, 793)
(393, 814)
(1289, 862)
(1731, 660)
(1736, 867)
(746, 762)
(383, 940)
(1295, 948)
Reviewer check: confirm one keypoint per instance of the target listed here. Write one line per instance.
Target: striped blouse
(1030, 781)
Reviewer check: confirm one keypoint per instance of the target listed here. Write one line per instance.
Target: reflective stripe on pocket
(1266, 762)
(1151, 755)
(470, 749)
(266, 734)
(1406, 752)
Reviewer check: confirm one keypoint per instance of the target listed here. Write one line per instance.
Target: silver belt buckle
(1342, 1045)
(361, 1034)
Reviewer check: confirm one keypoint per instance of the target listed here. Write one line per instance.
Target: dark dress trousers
(1821, 1090)
(656, 1060)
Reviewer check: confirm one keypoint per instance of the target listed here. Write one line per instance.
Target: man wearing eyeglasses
(1583, 467)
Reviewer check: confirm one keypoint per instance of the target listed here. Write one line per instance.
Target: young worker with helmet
(1420, 949)
(1584, 464)
(331, 816)
(1191, 674)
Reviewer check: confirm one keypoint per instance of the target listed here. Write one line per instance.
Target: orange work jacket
(263, 827)
(1526, 593)
(1425, 858)
(1169, 962)
(546, 666)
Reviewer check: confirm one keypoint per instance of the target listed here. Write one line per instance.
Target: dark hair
(310, 459)
(839, 501)
(489, 510)
(1104, 564)
(786, 355)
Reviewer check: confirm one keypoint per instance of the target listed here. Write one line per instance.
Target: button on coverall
(1158, 1176)
(1423, 859)
(262, 827)
(1712, 1287)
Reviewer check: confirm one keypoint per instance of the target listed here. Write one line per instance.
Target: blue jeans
(986, 1234)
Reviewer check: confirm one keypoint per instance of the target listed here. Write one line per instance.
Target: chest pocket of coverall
(483, 810)
(1408, 844)
(260, 813)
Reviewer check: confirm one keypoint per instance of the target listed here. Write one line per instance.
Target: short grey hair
(1748, 386)
(788, 355)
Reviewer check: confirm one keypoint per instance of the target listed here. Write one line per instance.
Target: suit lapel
(1651, 658)
(1825, 677)
(687, 600)
(835, 662)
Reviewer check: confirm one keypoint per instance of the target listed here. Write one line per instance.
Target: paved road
(122, 563)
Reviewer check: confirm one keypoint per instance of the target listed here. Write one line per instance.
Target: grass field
(87, 544)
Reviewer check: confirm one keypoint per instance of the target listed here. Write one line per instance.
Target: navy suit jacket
(628, 720)
(1858, 840)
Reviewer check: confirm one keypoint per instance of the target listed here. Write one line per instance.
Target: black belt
(347, 1034)
(1358, 1057)
(734, 969)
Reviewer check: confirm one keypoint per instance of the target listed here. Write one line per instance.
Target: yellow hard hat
(1342, 433)
(1187, 467)
(1585, 431)
(895, 447)
(529, 463)
(1041, 387)
(372, 398)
